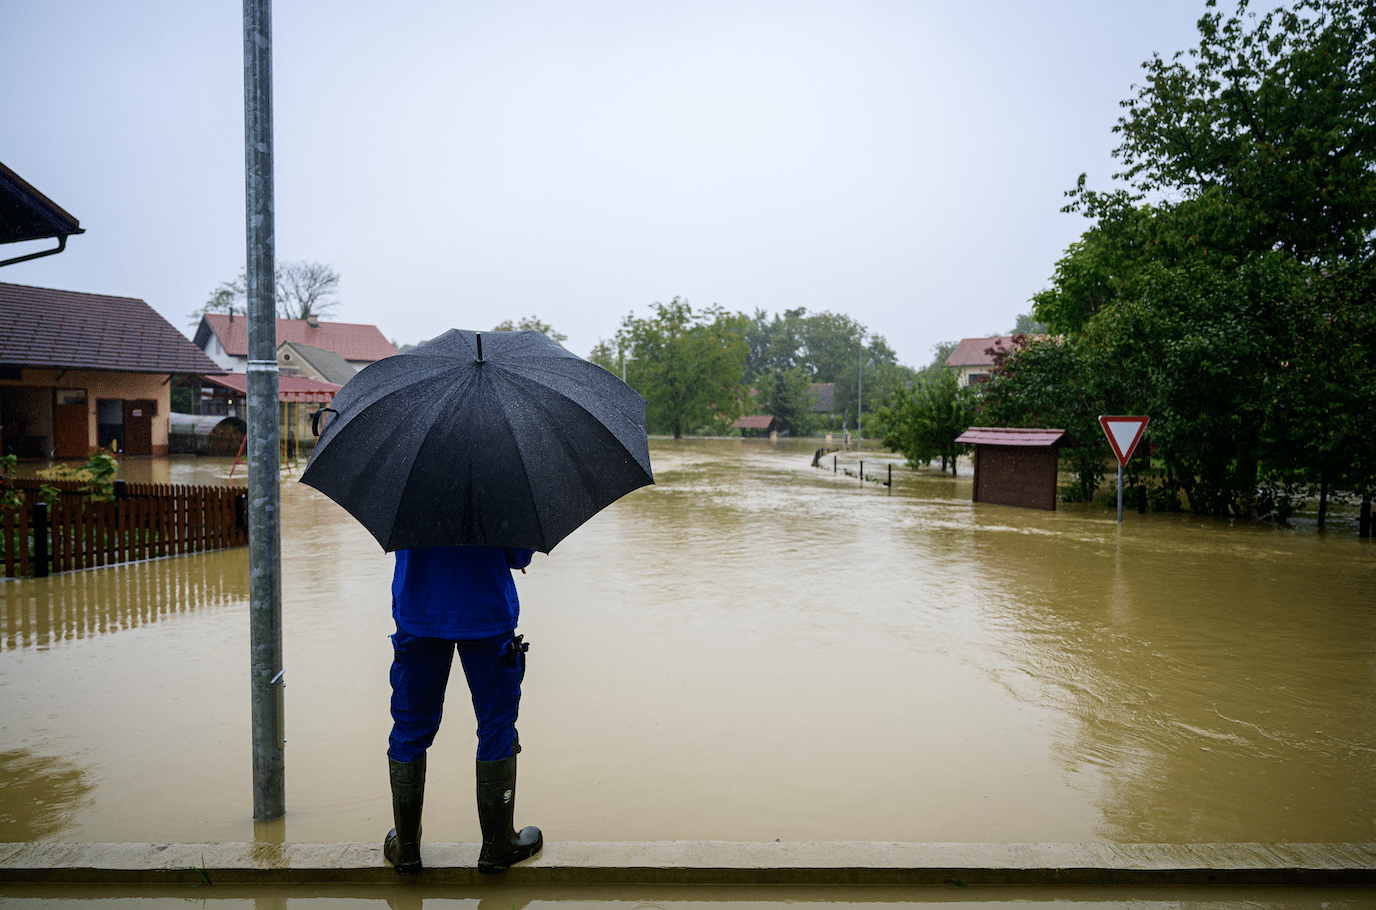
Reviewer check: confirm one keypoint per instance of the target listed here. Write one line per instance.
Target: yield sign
(1123, 434)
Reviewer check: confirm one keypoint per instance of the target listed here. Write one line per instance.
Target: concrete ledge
(708, 862)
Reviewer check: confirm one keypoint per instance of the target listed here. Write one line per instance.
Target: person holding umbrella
(448, 599)
(464, 465)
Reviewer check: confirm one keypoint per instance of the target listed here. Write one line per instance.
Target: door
(71, 424)
(70, 434)
(138, 426)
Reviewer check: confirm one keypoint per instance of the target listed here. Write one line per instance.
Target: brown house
(78, 371)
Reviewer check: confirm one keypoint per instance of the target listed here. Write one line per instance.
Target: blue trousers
(494, 668)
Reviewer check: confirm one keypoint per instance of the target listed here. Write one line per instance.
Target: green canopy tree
(922, 419)
(1237, 304)
(686, 364)
(787, 395)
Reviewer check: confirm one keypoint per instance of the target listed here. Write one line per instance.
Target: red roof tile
(349, 340)
(754, 422)
(970, 351)
(40, 327)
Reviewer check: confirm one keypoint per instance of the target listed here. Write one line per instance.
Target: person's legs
(494, 668)
(420, 672)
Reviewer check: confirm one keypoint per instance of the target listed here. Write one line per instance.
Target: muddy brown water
(753, 649)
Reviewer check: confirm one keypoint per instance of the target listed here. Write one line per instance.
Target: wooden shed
(1016, 466)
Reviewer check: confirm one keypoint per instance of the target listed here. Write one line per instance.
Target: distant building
(973, 363)
(294, 359)
(224, 339)
(971, 359)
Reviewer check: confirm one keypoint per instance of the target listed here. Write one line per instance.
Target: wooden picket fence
(146, 520)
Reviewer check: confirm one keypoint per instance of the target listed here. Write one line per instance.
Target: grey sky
(465, 163)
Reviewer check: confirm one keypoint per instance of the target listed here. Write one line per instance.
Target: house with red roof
(224, 339)
(971, 358)
(972, 361)
(81, 370)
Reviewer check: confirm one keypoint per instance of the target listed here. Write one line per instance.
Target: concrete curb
(708, 862)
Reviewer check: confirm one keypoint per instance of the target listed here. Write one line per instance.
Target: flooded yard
(753, 649)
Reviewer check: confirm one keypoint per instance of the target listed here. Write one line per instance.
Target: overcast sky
(462, 163)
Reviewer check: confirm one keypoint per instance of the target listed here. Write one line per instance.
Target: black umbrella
(499, 438)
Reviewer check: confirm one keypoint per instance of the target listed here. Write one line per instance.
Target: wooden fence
(146, 520)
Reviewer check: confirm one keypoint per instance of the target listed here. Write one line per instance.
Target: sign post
(1123, 435)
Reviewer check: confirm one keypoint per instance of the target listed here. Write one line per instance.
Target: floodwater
(753, 649)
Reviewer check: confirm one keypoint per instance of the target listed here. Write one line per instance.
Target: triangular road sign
(1123, 434)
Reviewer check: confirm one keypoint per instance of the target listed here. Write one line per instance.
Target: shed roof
(753, 422)
(40, 327)
(352, 341)
(1017, 436)
(289, 388)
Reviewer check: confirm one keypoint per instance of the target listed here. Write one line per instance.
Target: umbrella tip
(480, 346)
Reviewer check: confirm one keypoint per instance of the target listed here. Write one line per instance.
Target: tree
(532, 324)
(304, 290)
(1235, 309)
(1276, 113)
(687, 365)
(924, 418)
(882, 375)
(787, 395)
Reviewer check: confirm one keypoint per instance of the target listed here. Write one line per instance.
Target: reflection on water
(37, 613)
(751, 649)
(38, 794)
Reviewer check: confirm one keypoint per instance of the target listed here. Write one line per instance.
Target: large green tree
(1229, 287)
(688, 365)
(923, 419)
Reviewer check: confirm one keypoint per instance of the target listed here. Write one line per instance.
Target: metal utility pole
(860, 397)
(264, 497)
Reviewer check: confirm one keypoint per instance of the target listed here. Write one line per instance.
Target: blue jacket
(457, 593)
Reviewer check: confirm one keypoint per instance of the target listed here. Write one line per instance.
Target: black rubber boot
(402, 846)
(502, 845)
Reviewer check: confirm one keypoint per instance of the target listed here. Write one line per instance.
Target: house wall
(216, 352)
(968, 373)
(31, 399)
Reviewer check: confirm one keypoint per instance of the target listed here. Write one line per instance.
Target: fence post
(890, 479)
(40, 540)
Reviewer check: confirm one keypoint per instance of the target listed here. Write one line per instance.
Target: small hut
(755, 425)
(1016, 466)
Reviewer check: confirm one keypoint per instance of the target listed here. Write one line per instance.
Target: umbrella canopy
(498, 438)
